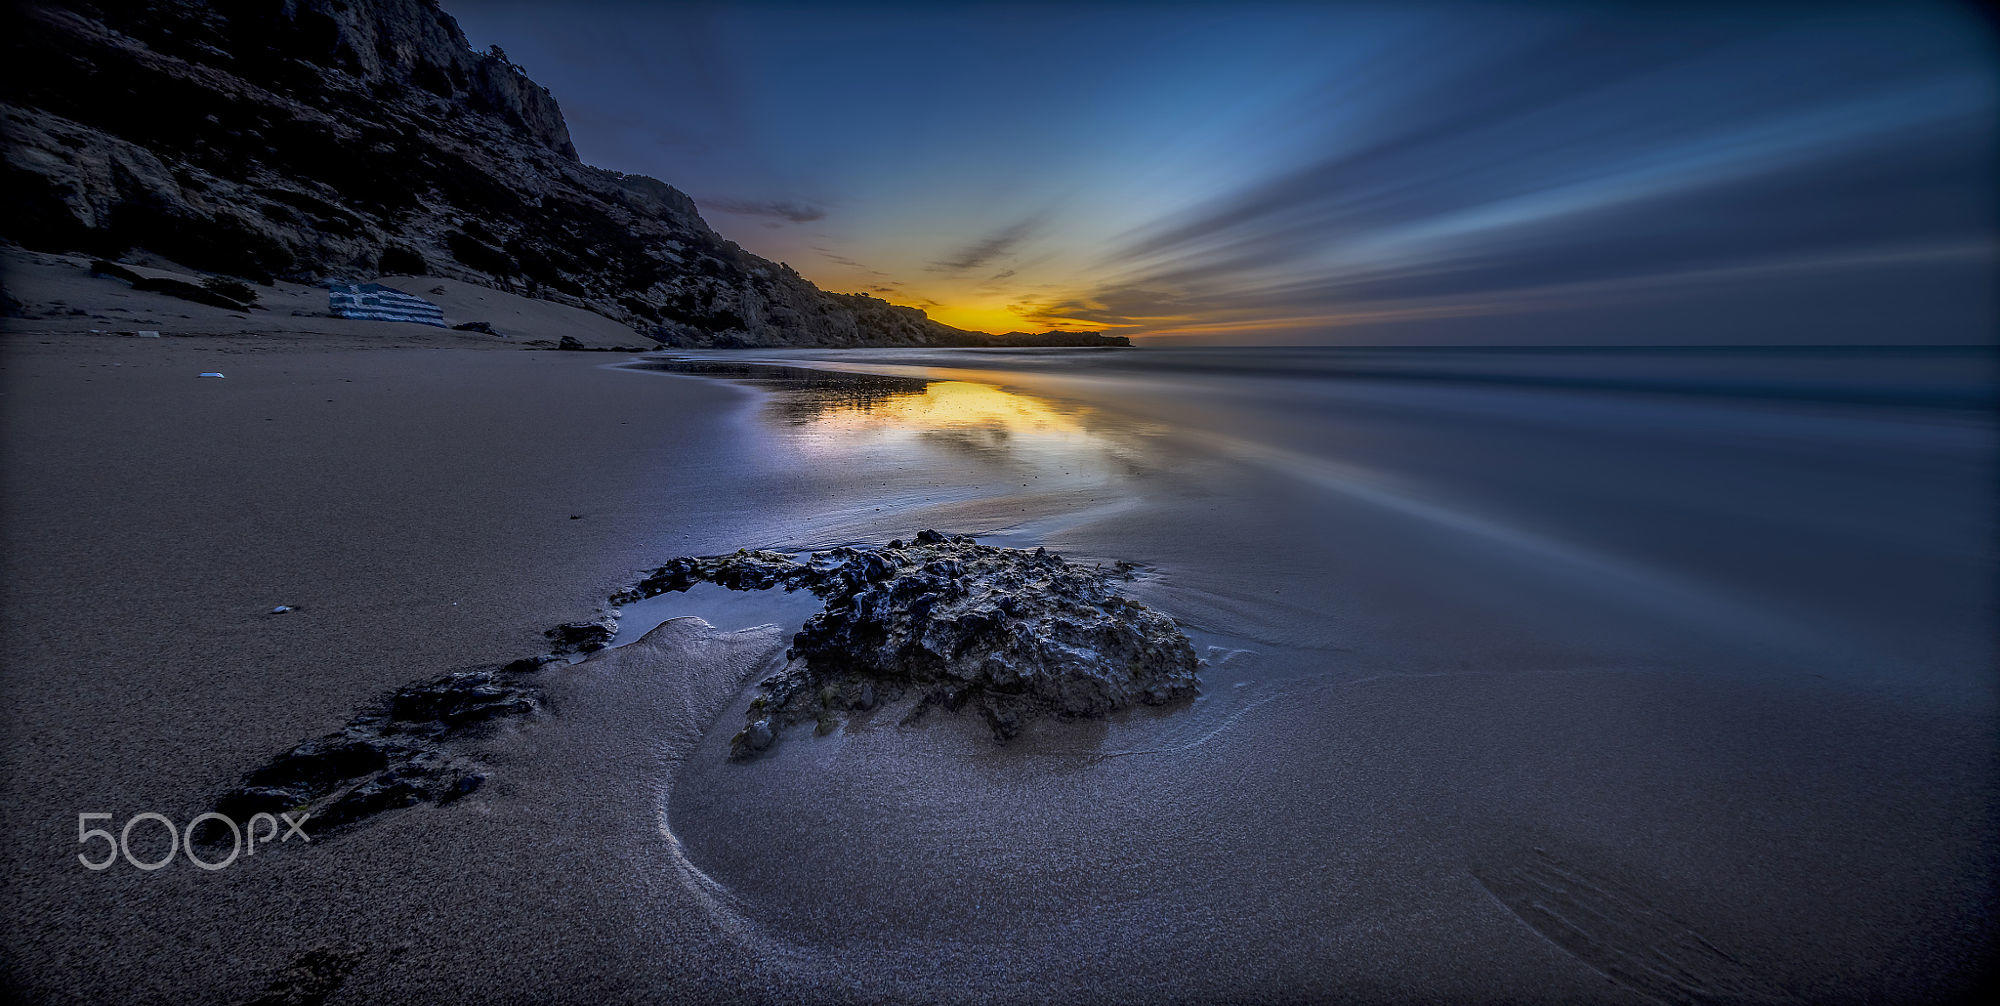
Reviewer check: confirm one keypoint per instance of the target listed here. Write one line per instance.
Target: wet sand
(1513, 695)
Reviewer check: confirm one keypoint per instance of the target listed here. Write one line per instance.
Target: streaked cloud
(993, 246)
(788, 210)
(1416, 172)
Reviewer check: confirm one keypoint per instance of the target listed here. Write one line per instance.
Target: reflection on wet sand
(959, 412)
(1651, 666)
(809, 393)
(967, 454)
(961, 415)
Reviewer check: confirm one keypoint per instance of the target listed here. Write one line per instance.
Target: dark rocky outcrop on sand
(342, 138)
(1009, 632)
(582, 637)
(403, 751)
(216, 291)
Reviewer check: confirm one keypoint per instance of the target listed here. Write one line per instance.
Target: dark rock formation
(569, 344)
(400, 753)
(744, 570)
(1009, 632)
(334, 138)
(215, 291)
(582, 637)
(1091, 340)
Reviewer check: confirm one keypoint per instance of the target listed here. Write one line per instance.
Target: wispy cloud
(788, 210)
(1116, 306)
(1526, 193)
(1542, 172)
(989, 248)
(838, 259)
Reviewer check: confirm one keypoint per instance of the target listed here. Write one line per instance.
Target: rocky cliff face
(335, 138)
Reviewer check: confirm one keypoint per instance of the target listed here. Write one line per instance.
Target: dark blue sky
(1369, 173)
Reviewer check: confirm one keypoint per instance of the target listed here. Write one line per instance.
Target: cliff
(340, 138)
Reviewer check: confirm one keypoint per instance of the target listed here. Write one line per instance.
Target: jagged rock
(1010, 632)
(199, 293)
(444, 703)
(744, 570)
(398, 753)
(757, 736)
(483, 327)
(321, 139)
(215, 291)
(400, 261)
(583, 637)
(113, 270)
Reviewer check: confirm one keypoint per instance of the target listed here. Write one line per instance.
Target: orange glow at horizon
(998, 317)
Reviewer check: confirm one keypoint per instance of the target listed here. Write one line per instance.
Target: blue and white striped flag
(375, 302)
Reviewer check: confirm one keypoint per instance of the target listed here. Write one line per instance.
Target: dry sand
(62, 296)
(1442, 754)
(427, 500)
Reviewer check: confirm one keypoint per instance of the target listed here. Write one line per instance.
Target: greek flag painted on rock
(375, 302)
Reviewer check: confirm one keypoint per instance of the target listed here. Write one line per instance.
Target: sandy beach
(1716, 728)
(1019, 504)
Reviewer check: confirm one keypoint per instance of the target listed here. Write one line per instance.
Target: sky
(1315, 174)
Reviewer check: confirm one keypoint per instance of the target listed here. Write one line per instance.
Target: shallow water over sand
(1854, 531)
(932, 443)
(725, 609)
(1700, 651)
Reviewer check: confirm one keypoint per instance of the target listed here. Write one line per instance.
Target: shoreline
(413, 380)
(1400, 708)
(1543, 549)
